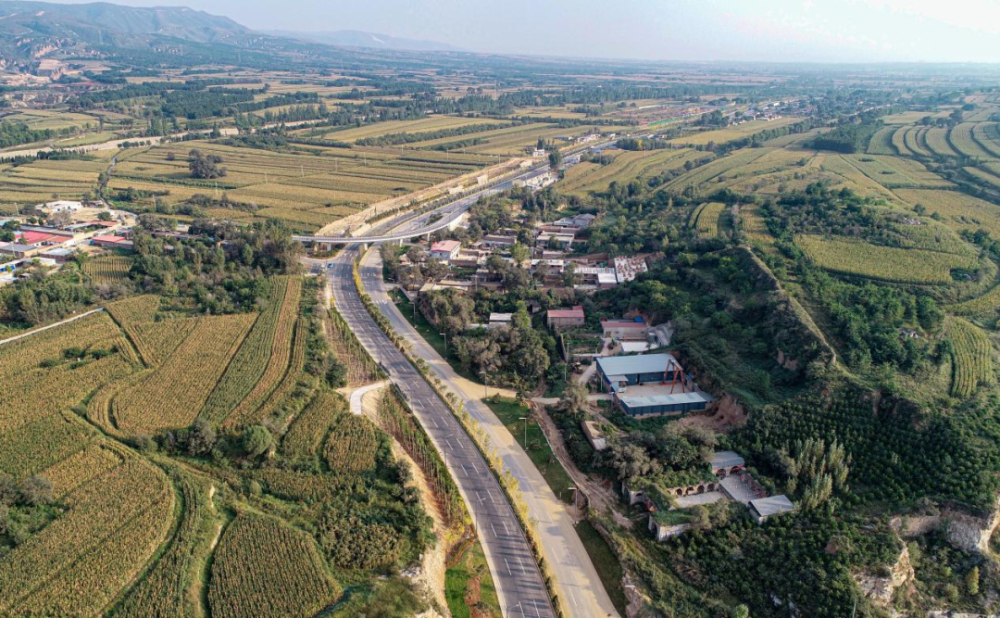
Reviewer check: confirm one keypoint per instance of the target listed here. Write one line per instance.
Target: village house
(626, 268)
(565, 318)
(445, 250)
(625, 330)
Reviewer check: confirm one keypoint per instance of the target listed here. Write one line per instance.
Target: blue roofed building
(650, 385)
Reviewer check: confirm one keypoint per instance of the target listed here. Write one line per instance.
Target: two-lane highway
(520, 586)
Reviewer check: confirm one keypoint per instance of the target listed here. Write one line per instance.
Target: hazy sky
(764, 30)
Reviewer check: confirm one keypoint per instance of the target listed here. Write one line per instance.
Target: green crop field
(627, 166)
(882, 142)
(972, 357)
(705, 218)
(961, 140)
(936, 139)
(731, 134)
(859, 259)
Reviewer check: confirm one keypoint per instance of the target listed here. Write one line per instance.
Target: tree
(36, 490)
(205, 166)
(741, 611)
(201, 438)
(256, 440)
(104, 215)
(972, 581)
(574, 399)
(9, 493)
(520, 254)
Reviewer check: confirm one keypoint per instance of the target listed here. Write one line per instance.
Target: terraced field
(37, 182)
(882, 142)
(705, 219)
(308, 189)
(860, 259)
(627, 166)
(936, 139)
(731, 134)
(896, 172)
(422, 125)
(972, 356)
(697, 179)
(961, 140)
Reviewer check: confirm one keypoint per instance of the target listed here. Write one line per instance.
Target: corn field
(264, 569)
(107, 269)
(77, 564)
(164, 592)
(353, 445)
(171, 396)
(303, 439)
(972, 354)
(266, 339)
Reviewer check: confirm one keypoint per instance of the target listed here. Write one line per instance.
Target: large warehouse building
(650, 385)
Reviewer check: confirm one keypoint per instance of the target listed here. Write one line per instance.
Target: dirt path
(45, 328)
(602, 499)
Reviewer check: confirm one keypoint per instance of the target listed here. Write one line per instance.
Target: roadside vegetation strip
(79, 562)
(972, 353)
(504, 478)
(357, 365)
(264, 568)
(171, 396)
(861, 259)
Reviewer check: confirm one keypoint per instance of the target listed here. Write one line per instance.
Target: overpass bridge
(447, 214)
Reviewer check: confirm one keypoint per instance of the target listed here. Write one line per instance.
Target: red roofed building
(565, 318)
(111, 242)
(38, 239)
(445, 250)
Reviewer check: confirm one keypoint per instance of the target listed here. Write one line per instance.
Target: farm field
(107, 269)
(705, 218)
(936, 139)
(307, 189)
(959, 211)
(423, 125)
(39, 181)
(972, 357)
(882, 142)
(869, 261)
(961, 140)
(731, 134)
(896, 172)
(264, 568)
(627, 166)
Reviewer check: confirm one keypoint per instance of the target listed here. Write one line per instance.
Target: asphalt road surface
(578, 583)
(520, 587)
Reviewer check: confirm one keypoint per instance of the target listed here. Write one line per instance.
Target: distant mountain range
(31, 31)
(357, 38)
